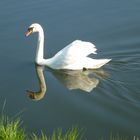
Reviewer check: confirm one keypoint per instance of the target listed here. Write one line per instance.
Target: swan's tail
(95, 63)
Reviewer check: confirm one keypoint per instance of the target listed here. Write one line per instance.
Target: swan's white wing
(78, 49)
(72, 53)
(75, 56)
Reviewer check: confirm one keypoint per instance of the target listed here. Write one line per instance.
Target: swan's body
(73, 57)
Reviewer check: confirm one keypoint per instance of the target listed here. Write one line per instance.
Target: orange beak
(28, 33)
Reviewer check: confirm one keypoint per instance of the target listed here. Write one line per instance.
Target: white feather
(74, 56)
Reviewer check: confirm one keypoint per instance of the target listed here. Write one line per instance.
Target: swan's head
(35, 27)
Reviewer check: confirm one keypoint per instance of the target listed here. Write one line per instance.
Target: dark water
(113, 26)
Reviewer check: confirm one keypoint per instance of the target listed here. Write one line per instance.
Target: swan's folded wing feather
(72, 53)
(78, 49)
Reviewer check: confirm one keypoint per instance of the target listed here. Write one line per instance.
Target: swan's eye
(30, 29)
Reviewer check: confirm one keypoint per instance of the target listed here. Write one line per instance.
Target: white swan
(73, 57)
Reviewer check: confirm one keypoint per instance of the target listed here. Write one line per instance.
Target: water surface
(113, 26)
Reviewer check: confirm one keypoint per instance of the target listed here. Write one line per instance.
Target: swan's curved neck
(40, 47)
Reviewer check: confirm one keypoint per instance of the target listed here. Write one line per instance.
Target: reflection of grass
(11, 130)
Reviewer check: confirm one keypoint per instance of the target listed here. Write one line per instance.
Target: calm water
(113, 26)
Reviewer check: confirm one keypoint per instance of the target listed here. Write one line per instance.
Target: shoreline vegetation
(12, 130)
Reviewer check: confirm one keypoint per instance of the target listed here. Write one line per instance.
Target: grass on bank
(115, 137)
(11, 130)
(71, 134)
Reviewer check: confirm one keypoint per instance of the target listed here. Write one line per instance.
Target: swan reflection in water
(85, 80)
(42, 84)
